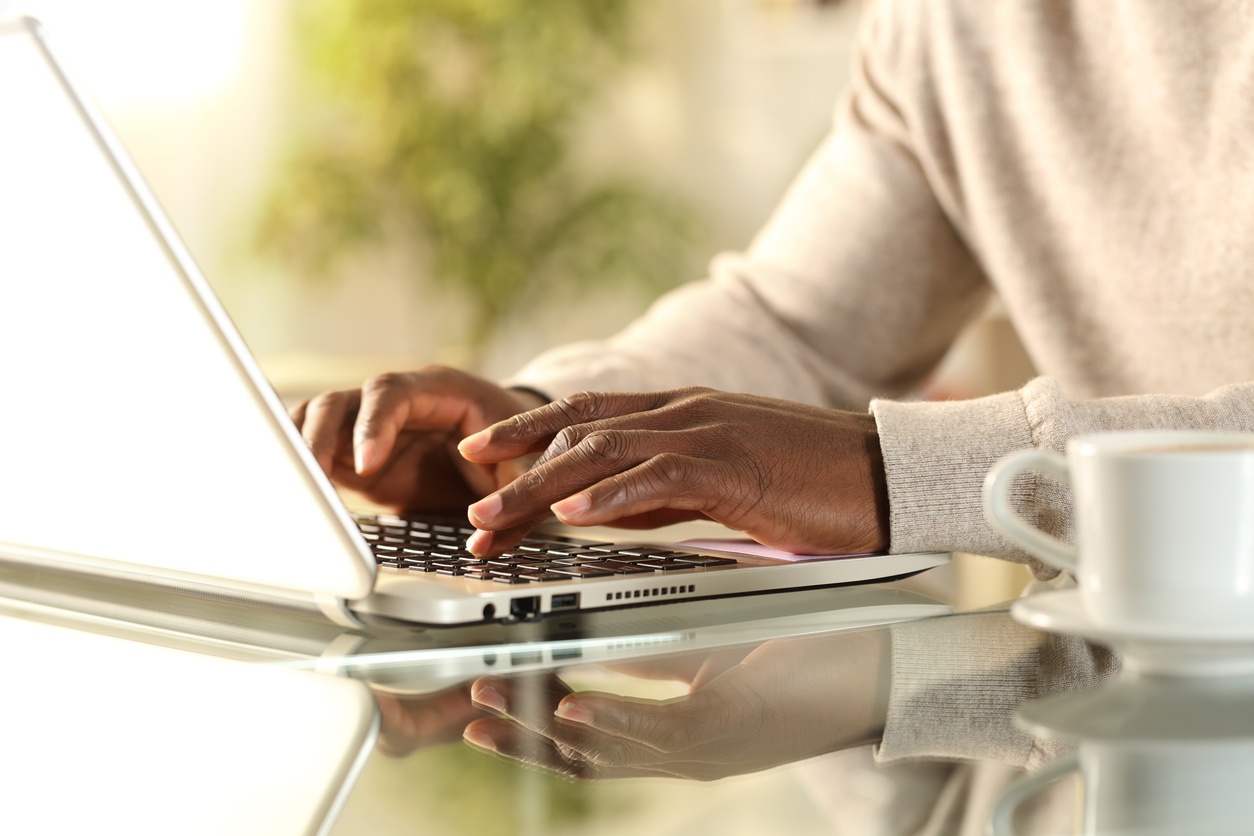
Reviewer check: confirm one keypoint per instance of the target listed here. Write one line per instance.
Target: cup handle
(1002, 516)
(1019, 790)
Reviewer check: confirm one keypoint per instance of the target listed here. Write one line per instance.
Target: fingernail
(490, 698)
(573, 712)
(479, 542)
(572, 507)
(363, 455)
(486, 509)
(475, 737)
(473, 443)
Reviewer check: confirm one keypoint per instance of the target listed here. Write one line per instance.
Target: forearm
(854, 289)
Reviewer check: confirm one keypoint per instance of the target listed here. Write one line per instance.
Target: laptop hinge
(337, 610)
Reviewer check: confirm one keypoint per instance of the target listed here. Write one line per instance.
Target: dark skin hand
(411, 723)
(795, 477)
(784, 701)
(394, 440)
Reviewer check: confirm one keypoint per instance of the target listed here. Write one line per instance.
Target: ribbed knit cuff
(936, 456)
(956, 685)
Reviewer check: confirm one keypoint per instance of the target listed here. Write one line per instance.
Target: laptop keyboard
(418, 545)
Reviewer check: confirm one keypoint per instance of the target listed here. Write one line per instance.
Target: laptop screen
(134, 434)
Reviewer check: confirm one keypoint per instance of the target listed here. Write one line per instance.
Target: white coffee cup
(1164, 526)
(1149, 789)
(1156, 756)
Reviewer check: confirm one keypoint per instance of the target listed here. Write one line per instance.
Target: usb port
(567, 601)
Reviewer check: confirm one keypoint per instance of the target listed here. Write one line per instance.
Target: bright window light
(136, 52)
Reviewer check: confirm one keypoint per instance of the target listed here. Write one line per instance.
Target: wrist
(878, 479)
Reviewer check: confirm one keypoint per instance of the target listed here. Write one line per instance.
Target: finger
(297, 413)
(528, 700)
(409, 724)
(325, 418)
(717, 664)
(493, 543)
(437, 400)
(530, 703)
(669, 728)
(501, 737)
(669, 481)
(505, 738)
(386, 406)
(531, 432)
(594, 458)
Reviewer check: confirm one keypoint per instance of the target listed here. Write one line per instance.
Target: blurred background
(371, 185)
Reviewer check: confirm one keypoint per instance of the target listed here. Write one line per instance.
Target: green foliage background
(454, 121)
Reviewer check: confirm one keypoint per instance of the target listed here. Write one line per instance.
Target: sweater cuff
(936, 455)
(956, 685)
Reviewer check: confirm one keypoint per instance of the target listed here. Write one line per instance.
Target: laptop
(140, 440)
(402, 659)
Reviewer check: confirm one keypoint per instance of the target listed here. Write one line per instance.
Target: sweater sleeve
(854, 289)
(936, 456)
(958, 682)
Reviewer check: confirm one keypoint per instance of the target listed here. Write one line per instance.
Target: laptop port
(567, 601)
(525, 609)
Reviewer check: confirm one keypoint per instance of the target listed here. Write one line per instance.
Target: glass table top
(860, 710)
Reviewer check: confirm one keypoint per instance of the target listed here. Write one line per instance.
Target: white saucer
(1136, 709)
(1144, 649)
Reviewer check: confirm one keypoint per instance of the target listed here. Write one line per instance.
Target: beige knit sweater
(1092, 163)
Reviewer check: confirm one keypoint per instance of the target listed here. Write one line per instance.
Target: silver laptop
(139, 439)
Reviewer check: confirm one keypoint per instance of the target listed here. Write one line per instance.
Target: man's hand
(394, 440)
(785, 701)
(795, 477)
(408, 723)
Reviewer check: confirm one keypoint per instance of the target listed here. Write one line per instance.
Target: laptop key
(704, 560)
(582, 572)
(620, 568)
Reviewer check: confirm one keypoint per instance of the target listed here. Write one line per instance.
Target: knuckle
(529, 482)
(381, 383)
(580, 406)
(604, 447)
(324, 401)
(567, 439)
(671, 469)
(671, 735)
(610, 753)
(523, 425)
(527, 423)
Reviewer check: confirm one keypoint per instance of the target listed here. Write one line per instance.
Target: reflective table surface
(875, 709)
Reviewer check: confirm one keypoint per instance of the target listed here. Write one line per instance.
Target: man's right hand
(394, 440)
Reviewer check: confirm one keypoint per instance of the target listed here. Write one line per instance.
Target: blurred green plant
(455, 121)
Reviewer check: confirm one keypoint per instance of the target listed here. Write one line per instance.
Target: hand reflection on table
(746, 710)
(408, 723)
(937, 696)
